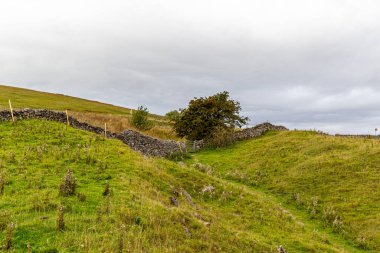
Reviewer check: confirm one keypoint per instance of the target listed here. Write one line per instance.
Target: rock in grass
(173, 201)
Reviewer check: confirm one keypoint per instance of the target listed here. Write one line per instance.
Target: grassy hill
(25, 98)
(334, 181)
(93, 112)
(305, 191)
(137, 216)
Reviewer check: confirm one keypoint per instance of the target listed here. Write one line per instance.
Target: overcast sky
(306, 64)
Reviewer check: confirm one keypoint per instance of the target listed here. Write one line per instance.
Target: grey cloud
(321, 74)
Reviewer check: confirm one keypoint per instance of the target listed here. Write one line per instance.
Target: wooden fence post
(105, 130)
(67, 118)
(10, 107)
(180, 147)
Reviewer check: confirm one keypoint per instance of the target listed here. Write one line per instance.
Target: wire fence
(194, 146)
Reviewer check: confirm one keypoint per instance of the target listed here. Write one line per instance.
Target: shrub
(173, 116)
(221, 137)
(140, 119)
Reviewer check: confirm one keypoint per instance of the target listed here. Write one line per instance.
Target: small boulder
(173, 201)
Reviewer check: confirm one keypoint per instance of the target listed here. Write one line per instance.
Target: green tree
(206, 115)
(140, 119)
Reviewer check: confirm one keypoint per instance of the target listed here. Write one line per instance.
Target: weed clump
(2, 184)
(4, 220)
(67, 188)
(107, 205)
(81, 197)
(107, 190)
(122, 237)
(338, 224)
(61, 219)
(9, 236)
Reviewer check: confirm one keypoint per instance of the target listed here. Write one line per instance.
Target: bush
(221, 137)
(173, 116)
(140, 119)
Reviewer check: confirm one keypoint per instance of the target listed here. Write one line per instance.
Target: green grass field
(334, 181)
(25, 98)
(137, 216)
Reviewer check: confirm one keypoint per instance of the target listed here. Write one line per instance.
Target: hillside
(135, 214)
(334, 181)
(93, 112)
(25, 98)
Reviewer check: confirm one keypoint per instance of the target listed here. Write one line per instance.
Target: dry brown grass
(118, 123)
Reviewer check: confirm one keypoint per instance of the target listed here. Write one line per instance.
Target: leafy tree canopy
(207, 114)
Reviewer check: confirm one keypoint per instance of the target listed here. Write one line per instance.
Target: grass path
(301, 216)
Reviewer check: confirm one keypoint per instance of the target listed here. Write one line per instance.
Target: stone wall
(52, 116)
(151, 146)
(256, 131)
(139, 142)
(365, 136)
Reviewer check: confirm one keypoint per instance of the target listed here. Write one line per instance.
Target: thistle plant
(2, 184)
(61, 219)
(9, 236)
(67, 187)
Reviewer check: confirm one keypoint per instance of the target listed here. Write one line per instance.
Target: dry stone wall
(256, 131)
(151, 146)
(139, 142)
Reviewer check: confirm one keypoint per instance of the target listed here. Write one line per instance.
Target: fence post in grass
(179, 145)
(67, 118)
(105, 130)
(11, 109)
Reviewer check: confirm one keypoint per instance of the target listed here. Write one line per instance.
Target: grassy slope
(25, 98)
(335, 181)
(35, 155)
(96, 113)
